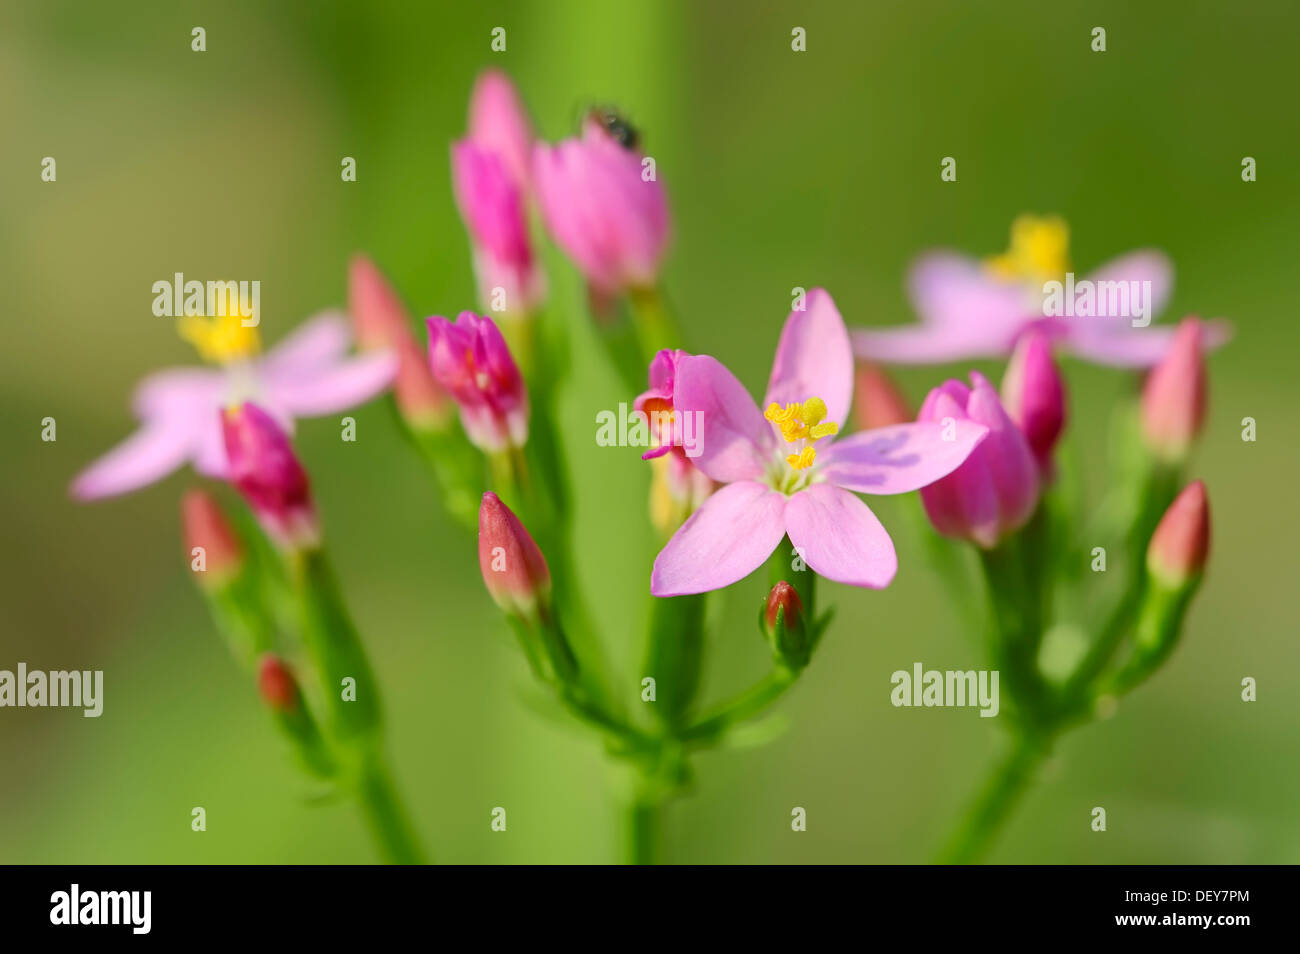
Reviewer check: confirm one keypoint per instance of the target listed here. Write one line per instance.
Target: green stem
(644, 824)
(748, 704)
(1016, 625)
(386, 815)
(992, 805)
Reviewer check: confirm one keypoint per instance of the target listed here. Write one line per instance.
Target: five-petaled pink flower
(784, 473)
(308, 374)
(471, 360)
(978, 309)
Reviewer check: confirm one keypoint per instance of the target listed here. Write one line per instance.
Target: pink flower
(996, 490)
(785, 474)
(470, 359)
(1181, 544)
(1174, 395)
(308, 374)
(1033, 394)
(266, 471)
(656, 403)
(607, 216)
(978, 309)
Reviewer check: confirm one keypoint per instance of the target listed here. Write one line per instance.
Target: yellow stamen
(221, 339)
(1039, 252)
(799, 422)
(802, 460)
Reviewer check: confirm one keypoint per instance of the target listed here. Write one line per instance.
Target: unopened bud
(784, 626)
(1174, 396)
(276, 684)
(877, 401)
(265, 470)
(1181, 543)
(513, 567)
(204, 527)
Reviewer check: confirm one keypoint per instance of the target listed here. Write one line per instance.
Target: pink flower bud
(877, 401)
(656, 403)
(995, 491)
(1033, 394)
(1174, 396)
(264, 468)
(381, 321)
(604, 209)
(276, 684)
(783, 597)
(203, 524)
(513, 568)
(1181, 543)
(499, 124)
(492, 204)
(471, 360)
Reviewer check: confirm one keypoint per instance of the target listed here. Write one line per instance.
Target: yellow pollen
(221, 339)
(802, 460)
(799, 422)
(1039, 252)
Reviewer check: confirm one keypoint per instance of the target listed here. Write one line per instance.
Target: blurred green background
(783, 169)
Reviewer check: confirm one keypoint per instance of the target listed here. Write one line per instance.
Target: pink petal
(735, 440)
(333, 388)
(177, 391)
(1146, 265)
(156, 449)
(839, 537)
(317, 343)
(899, 459)
(931, 344)
(724, 541)
(957, 291)
(813, 358)
(1124, 346)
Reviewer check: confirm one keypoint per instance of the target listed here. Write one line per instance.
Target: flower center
(223, 339)
(802, 425)
(1039, 252)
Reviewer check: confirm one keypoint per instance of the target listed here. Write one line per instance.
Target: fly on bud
(206, 530)
(265, 470)
(785, 626)
(1174, 396)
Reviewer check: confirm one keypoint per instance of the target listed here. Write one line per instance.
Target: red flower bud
(513, 568)
(203, 524)
(264, 468)
(276, 684)
(1174, 396)
(877, 401)
(1181, 543)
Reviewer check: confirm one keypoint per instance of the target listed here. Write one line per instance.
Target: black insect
(623, 132)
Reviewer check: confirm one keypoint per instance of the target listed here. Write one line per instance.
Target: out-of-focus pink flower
(1033, 394)
(309, 374)
(266, 471)
(498, 123)
(1174, 396)
(204, 525)
(381, 322)
(785, 474)
(656, 403)
(603, 209)
(1181, 544)
(972, 308)
(513, 568)
(679, 487)
(493, 207)
(996, 490)
(471, 360)
(877, 401)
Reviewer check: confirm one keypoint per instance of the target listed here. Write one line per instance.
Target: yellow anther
(802, 460)
(814, 409)
(1040, 250)
(779, 415)
(818, 431)
(220, 339)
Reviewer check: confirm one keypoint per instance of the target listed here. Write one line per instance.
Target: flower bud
(380, 321)
(1033, 394)
(471, 360)
(514, 570)
(492, 205)
(499, 123)
(1181, 543)
(276, 684)
(877, 401)
(994, 492)
(784, 625)
(1174, 396)
(265, 470)
(203, 524)
(604, 207)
